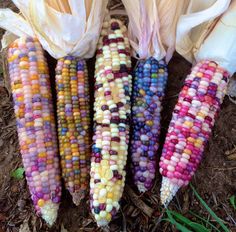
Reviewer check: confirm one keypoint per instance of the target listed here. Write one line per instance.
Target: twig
(116, 6)
(124, 222)
(222, 169)
(118, 12)
(158, 221)
(231, 218)
(229, 152)
(138, 202)
(172, 96)
(106, 229)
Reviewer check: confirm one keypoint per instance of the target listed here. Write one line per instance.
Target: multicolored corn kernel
(148, 92)
(191, 125)
(73, 124)
(35, 124)
(111, 121)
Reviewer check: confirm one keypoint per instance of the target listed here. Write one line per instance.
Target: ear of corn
(73, 124)
(191, 125)
(148, 91)
(35, 124)
(111, 121)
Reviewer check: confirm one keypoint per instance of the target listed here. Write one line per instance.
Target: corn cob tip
(103, 223)
(49, 212)
(168, 191)
(141, 188)
(77, 197)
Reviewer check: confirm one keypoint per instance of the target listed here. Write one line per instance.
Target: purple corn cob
(148, 91)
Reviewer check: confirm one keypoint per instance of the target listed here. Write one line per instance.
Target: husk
(152, 26)
(169, 12)
(196, 24)
(220, 45)
(143, 29)
(70, 27)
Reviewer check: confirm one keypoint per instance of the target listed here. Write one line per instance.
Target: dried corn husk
(169, 12)
(62, 27)
(196, 24)
(152, 26)
(220, 44)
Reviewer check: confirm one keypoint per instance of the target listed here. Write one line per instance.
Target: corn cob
(190, 128)
(111, 121)
(35, 124)
(73, 124)
(148, 91)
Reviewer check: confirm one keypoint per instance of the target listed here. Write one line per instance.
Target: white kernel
(174, 159)
(95, 203)
(184, 160)
(113, 167)
(96, 176)
(103, 180)
(170, 168)
(116, 204)
(103, 214)
(102, 192)
(144, 137)
(109, 208)
(97, 217)
(146, 174)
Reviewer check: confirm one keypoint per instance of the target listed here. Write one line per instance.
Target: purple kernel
(104, 107)
(112, 152)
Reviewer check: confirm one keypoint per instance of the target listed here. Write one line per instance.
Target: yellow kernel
(48, 144)
(142, 92)
(50, 161)
(29, 124)
(102, 200)
(108, 217)
(74, 149)
(46, 118)
(199, 141)
(20, 99)
(110, 195)
(191, 140)
(82, 157)
(67, 62)
(42, 155)
(187, 151)
(199, 74)
(104, 163)
(34, 77)
(68, 157)
(201, 114)
(197, 145)
(74, 145)
(188, 123)
(41, 202)
(149, 123)
(77, 181)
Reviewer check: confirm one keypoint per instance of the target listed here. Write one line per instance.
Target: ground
(215, 180)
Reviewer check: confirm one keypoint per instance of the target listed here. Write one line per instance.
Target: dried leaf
(24, 227)
(63, 228)
(138, 202)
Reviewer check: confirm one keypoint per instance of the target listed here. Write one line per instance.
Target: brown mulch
(215, 180)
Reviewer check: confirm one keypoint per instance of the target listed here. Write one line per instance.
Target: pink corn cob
(191, 125)
(35, 125)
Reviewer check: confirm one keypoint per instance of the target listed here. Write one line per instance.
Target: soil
(215, 180)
